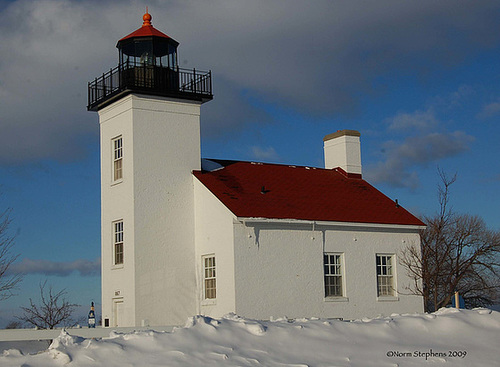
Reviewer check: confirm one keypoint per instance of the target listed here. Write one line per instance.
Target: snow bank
(447, 337)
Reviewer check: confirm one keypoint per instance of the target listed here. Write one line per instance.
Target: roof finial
(146, 18)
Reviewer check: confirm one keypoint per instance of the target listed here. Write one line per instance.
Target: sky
(419, 80)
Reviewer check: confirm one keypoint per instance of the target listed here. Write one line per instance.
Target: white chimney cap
(340, 133)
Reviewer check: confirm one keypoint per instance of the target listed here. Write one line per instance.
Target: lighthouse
(149, 117)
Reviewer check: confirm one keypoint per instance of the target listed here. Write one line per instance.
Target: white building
(184, 236)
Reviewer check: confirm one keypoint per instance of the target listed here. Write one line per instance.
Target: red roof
(147, 30)
(259, 190)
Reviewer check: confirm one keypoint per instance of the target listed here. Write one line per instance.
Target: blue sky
(419, 80)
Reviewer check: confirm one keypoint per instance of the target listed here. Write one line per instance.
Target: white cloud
(490, 110)
(265, 154)
(420, 120)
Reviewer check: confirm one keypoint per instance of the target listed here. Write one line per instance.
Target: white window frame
(333, 269)
(386, 276)
(117, 158)
(209, 268)
(118, 243)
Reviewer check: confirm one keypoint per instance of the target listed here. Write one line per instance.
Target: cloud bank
(417, 151)
(318, 60)
(83, 267)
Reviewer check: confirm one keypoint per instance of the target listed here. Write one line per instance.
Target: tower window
(209, 281)
(118, 242)
(117, 158)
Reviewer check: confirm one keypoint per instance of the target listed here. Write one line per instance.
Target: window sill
(117, 182)
(336, 299)
(209, 302)
(115, 267)
(387, 299)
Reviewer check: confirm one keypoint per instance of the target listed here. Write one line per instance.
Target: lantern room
(148, 64)
(148, 46)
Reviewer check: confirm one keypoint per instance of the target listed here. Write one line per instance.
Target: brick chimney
(343, 150)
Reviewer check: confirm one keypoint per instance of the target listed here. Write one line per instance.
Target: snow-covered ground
(448, 337)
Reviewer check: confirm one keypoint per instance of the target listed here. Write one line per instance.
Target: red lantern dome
(148, 45)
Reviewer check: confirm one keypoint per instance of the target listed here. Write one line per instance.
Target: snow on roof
(262, 190)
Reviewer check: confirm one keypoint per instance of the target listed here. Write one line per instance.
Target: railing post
(111, 80)
(194, 81)
(103, 84)
(95, 86)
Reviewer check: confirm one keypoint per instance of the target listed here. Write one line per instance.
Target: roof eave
(257, 220)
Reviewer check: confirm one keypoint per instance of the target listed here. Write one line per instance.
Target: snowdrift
(448, 337)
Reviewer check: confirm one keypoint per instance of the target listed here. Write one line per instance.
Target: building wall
(161, 148)
(214, 235)
(264, 268)
(118, 282)
(279, 270)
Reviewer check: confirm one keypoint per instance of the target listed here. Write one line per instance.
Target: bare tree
(457, 253)
(13, 325)
(53, 310)
(7, 282)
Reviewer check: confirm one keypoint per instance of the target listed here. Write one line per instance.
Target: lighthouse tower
(149, 116)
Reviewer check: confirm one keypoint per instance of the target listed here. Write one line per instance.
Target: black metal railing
(150, 79)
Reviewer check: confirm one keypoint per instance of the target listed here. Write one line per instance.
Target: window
(385, 276)
(209, 283)
(117, 158)
(118, 242)
(333, 275)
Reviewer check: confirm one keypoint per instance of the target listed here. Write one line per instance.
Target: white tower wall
(161, 146)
